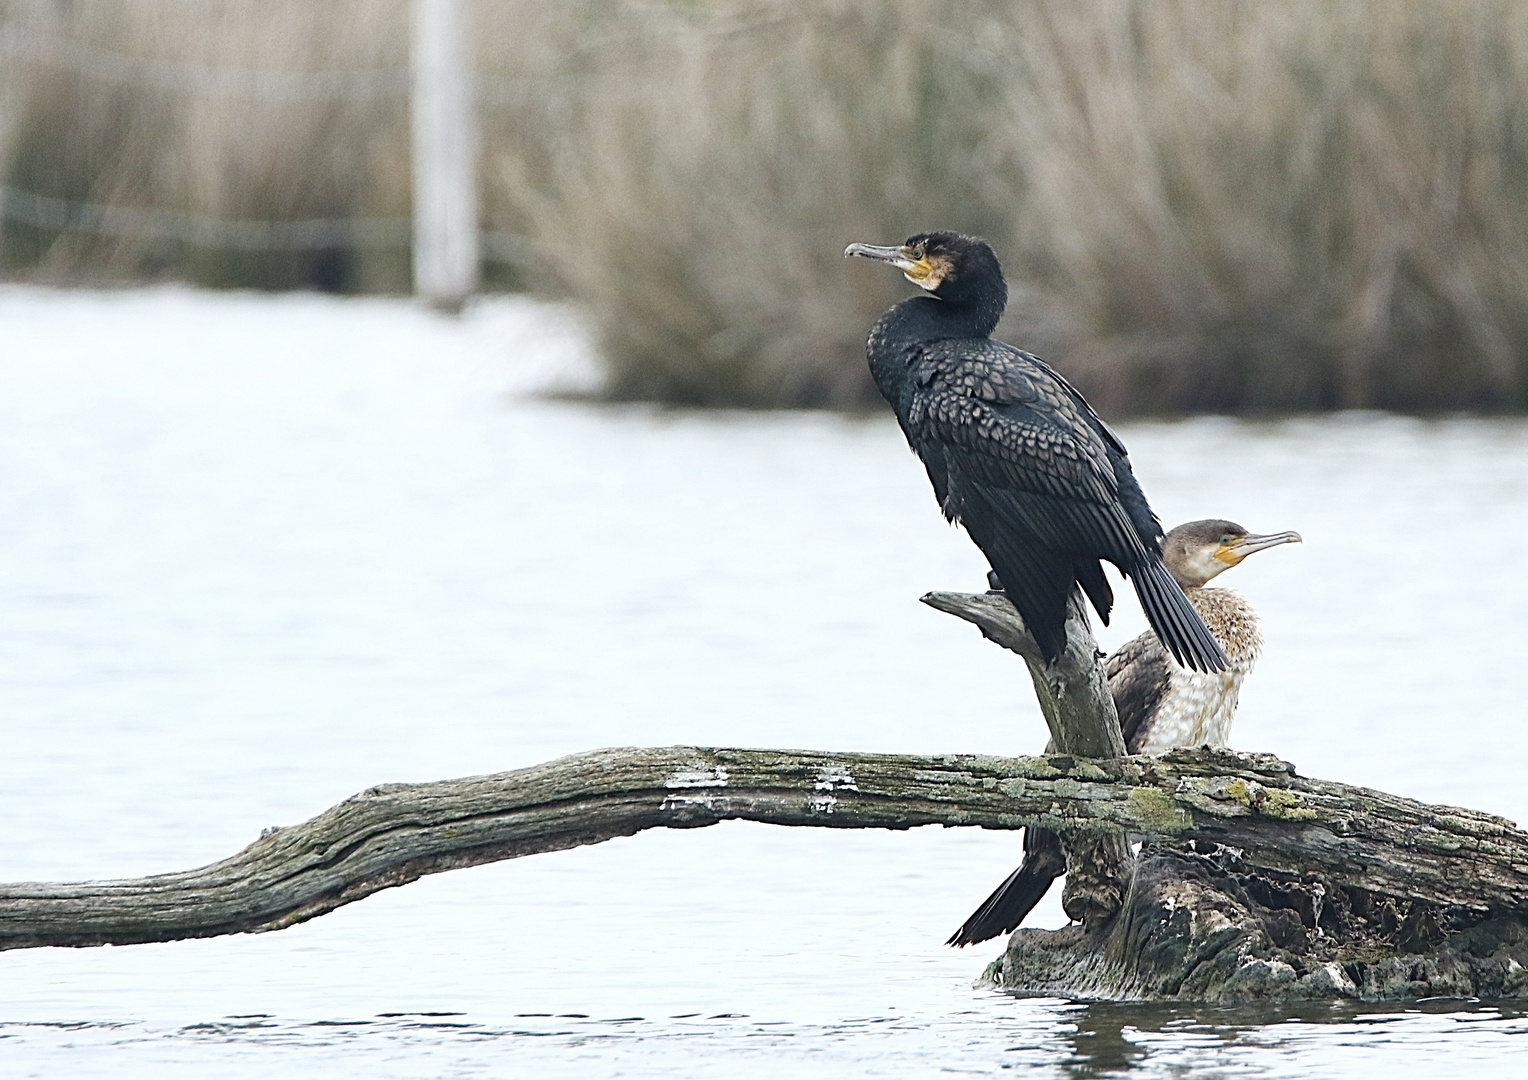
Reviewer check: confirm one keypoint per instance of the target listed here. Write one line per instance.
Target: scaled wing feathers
(1013, 425)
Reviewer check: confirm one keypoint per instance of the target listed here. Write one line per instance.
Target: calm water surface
(257, 554)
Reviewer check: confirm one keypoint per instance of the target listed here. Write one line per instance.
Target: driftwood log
(1255, 882)
(395, 833)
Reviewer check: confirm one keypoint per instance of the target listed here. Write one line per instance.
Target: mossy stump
(1206, 928)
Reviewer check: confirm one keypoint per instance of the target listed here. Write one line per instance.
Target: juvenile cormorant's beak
(1237, 550)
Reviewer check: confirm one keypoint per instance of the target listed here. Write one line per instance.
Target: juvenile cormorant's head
(946, 264)
(1196, 552)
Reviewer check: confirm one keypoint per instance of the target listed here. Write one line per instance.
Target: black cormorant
(1161, 704)
(1015, 454)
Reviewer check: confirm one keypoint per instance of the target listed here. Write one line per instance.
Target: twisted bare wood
(396, 833)
(1074, 698)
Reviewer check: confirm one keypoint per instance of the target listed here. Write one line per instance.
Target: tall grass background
(1200, 204)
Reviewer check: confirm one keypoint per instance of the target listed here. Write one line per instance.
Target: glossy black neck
(968, 308)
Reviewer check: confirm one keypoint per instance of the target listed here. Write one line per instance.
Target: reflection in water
(1110, 1039)
(1101, 1043)
(1057, 1039)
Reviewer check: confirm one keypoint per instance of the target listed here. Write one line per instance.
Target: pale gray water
(257, 554)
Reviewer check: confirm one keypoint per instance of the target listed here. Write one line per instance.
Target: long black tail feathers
(1175, 620)
(1044, 861)
(1168, 611)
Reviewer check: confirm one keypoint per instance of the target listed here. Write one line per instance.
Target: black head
(1198, 551)
(948, 265)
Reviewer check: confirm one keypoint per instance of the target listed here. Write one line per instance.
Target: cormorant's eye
(1226, 539)
(918, 253)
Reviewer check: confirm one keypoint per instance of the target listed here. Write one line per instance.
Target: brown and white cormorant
(1161, 704)
(1015, 454)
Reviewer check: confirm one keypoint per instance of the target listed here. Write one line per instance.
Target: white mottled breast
(1200, 707)
(1197, 709)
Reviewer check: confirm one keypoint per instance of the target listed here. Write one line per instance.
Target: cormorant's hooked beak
(896, 255)
(920, 272)
(1236, 550)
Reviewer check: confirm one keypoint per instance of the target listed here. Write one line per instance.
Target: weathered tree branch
(1079, 710)
(394, 834)
(1073, 692)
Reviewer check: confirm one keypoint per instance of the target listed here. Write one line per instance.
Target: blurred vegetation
(1201, 204)
(207, 111)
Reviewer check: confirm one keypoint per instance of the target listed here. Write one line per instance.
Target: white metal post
(446, 256)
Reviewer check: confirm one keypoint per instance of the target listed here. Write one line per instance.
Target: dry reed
(219, 110)
(1202, 204)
